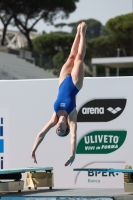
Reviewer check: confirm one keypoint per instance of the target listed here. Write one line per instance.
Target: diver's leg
(67, 67)
(75, 46)
(78, 69)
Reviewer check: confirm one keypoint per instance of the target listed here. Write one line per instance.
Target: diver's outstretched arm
(73, 137)
(42, 134)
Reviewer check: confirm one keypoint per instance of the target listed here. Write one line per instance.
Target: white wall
(28, 105)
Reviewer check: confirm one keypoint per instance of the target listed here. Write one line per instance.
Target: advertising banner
(4, 131)
(104, 130)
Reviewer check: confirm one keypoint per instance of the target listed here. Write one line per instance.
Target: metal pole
(118, 55)
(94, 71)
(118, 52)
(40, 55)
(117, 71)
(107, 71)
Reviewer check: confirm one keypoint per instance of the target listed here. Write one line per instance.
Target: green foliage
(60, 32)
(121, 25)
(120, 36)
(103, 46)
(103, 31)
(120, 29)
(53, 43)
(58, 59)
(55, 48)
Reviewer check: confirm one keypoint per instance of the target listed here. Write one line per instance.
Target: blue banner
(1, 146)
(1, 130)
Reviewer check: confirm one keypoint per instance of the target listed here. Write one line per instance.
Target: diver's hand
(33, 156)
(70, 161)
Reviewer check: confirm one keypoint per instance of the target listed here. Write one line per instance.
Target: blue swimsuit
(66, 96)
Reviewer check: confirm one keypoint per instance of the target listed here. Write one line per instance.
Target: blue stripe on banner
(1, 120)
(1, 146)
(1, 130)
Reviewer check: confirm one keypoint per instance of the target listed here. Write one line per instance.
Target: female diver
(70, 82)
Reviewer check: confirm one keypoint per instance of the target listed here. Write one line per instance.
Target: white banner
(104, 134)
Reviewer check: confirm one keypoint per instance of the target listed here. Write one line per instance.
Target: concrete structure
(15, 39)
(13, 67)
(114, 62)
(69, 194)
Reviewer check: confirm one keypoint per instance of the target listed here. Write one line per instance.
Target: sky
(101, 10)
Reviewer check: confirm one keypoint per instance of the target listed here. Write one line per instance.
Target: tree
(55, 49)
(27, 14)
(104, 31)
(5, 17)
(103, 46)
(60, 25)
(121, 28)
(121, 25)
(7, 11)
(58, 42)
(120, 36)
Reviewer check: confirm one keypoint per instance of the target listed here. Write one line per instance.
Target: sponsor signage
(101, 110)
(103, 174)
(101, 142)
(1, 143)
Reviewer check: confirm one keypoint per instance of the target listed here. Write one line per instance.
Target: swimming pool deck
(76, 193)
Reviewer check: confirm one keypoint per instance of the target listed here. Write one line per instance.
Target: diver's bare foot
(83, 27)
(79, 28)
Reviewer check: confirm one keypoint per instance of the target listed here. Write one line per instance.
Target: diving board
(128, 174)
(35, 177)
(110, 170)
(23, 170)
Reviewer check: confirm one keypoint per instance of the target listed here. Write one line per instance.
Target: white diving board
(104, 170)
(23, 170)
(32, 178)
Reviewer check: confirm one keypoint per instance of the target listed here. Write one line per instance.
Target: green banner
(101, 142)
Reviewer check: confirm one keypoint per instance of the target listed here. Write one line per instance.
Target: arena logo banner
(101, 110)
(101, 142)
